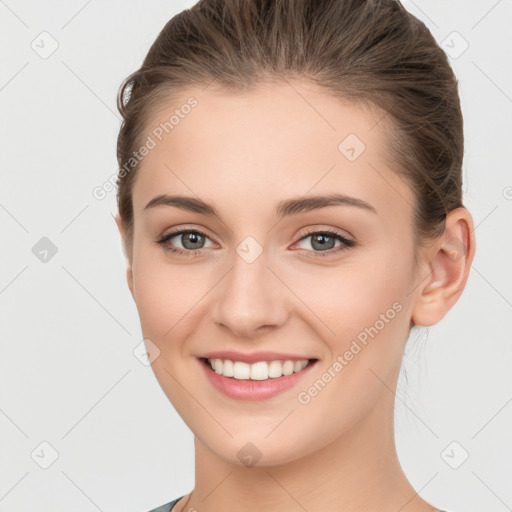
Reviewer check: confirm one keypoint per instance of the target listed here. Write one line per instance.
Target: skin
(243, 154)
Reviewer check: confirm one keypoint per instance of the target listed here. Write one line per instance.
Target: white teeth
(228, 370)
(261, 370)
(241, 370)
(217, 366)
(288, 367)
(275, 369)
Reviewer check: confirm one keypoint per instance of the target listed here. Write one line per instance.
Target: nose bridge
(250, 296)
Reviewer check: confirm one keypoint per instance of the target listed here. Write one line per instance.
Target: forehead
(277, 141)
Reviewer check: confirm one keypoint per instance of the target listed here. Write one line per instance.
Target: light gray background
(69, 326)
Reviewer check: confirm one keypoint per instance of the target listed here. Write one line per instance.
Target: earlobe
(129, 270)
(448, 265)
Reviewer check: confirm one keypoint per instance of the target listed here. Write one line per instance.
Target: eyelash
(346, 243)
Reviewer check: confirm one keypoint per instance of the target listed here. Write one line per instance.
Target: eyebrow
(284, 208)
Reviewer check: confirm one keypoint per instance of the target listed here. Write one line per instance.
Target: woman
(290, 205)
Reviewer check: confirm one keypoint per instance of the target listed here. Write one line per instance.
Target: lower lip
(253, 389)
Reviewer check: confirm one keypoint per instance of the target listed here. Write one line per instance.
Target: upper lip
(253, 357)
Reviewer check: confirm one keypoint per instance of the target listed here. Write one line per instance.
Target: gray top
(168, 506)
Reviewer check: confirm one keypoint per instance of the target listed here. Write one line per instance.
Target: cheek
(361, 314)
(353, 295)
(165, 294)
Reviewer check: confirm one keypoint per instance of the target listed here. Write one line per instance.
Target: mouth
(257, 381)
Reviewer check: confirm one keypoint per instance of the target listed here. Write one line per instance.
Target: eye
(323, 243)
(191, 239)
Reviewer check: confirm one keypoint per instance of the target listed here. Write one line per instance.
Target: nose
(250, 300)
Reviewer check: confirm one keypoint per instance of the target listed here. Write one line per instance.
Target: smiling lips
(254, 376)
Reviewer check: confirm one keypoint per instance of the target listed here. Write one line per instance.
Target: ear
(446, 268)
(129, 271)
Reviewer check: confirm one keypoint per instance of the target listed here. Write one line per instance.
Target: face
(329, 282)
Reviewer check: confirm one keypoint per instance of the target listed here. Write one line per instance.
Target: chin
(256, 451)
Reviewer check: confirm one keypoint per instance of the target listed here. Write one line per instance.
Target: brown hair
(371, 51)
